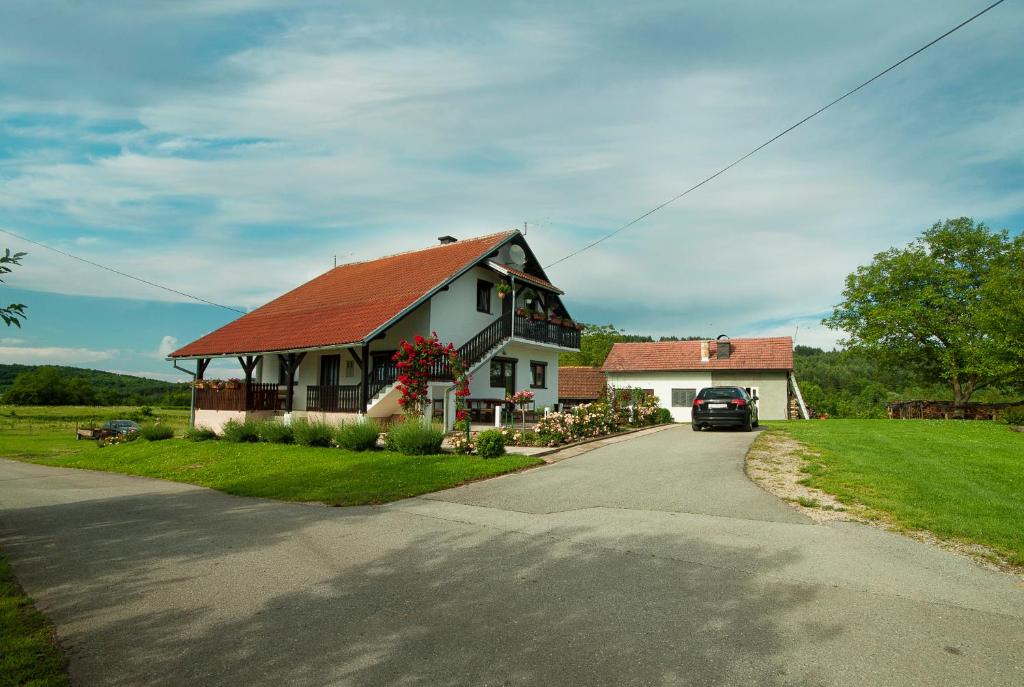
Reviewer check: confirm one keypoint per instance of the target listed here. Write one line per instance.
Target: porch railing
(243, 397)
(333, 399)
(543, 331)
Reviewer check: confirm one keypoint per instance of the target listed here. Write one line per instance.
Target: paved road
(648, 562)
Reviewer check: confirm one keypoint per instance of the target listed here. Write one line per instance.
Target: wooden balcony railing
(543, 331)
(243, 397)
(333, 399)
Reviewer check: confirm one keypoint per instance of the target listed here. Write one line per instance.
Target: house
(675, 371)
(324, 350)
(579, 384)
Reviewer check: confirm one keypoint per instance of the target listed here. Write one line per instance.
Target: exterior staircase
(383, 391)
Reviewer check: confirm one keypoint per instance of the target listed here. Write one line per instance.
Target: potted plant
(522, 312)
(539, 316)
(555, 319)
(503, 289)
(233, 383)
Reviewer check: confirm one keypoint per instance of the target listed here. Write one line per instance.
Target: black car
(724, 406)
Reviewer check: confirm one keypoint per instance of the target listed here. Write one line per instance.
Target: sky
(233, 148)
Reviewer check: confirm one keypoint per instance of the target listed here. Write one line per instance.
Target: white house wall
(772, 389)
(453, 313)
(663, 383)
(523, 353)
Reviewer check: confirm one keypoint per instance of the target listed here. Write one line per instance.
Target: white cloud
(168, 344)
(381, 129)
(10, 341)
(54, 355)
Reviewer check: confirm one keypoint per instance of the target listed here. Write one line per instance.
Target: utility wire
(776, 137)
(119, 272)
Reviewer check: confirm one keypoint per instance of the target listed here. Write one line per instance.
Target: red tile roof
(536, 281)
(775, 353)
(347, 303)
(579, 383)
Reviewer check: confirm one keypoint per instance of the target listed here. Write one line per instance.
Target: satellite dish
(517, 257)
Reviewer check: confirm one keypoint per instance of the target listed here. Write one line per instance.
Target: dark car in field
(121, 426)
(724, 406)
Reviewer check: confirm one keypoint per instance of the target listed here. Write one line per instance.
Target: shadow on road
(203, 588)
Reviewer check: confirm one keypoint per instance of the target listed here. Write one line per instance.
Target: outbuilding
(675, 371)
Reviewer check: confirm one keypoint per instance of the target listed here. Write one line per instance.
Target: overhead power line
(776, 137)
(119, 272)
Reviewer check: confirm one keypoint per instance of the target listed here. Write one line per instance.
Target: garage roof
(773, 353)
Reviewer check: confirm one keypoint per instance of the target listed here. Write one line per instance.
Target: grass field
(289, 473)
(959, 480)
(28, 654)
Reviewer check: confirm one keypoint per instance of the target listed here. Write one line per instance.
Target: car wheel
(749, 426)
(695, 427)
(757, 423)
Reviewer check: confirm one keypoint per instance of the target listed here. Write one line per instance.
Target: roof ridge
(507, 232)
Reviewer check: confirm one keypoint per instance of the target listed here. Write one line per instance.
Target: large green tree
(930, 308)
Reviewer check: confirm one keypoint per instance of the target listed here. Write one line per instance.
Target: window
(330, 369)
(350, 368)
(483, 295)
(683, 398)
(538, 374)
(503, 374)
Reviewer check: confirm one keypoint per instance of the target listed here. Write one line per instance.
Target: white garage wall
(663, 383)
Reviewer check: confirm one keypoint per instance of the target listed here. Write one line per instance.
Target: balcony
(544, 331)
(238, 397)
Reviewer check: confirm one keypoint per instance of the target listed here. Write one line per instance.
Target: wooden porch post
(364, 388)
(248, 366)
(201, 365)
(291, 363)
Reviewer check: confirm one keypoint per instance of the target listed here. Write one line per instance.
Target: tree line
(51, 385)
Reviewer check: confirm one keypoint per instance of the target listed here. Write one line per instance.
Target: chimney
(724, 350)
(445, 240)
(705, 351)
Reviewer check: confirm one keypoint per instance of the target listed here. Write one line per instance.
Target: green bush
(200, 434)
(155, 432)
(662, 415)
(241, 432)
(490, 443)
(275, 432)
(358, 436)
(308, 433)
(146, 411)
(1013, 416)
(413, 438)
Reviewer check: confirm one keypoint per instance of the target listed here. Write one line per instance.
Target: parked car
(121, 426)
(107, 429)
(724, 406)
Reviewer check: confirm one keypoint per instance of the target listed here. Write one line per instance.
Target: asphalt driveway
(648, 562)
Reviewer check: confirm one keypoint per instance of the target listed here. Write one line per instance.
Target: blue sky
(231, 148)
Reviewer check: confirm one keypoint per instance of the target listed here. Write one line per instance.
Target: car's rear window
(720, 393)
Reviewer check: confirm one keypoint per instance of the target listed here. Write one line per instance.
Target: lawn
(28, 653)
(960, 480)
(285, 472)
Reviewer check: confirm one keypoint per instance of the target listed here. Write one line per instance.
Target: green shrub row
(354, 436)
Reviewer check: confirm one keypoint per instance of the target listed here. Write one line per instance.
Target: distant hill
(108, 388)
